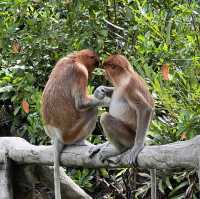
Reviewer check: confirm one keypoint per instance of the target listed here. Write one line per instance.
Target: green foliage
(35, 34)
(83, 178)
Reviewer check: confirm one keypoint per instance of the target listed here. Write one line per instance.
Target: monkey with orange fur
(68, 112)
(130, 111)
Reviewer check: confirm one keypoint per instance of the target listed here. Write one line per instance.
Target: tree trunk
(6, 191)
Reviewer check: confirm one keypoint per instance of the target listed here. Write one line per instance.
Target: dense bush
(161, 40)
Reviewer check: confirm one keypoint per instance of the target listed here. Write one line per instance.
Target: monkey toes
(131, 155)
(104, 152)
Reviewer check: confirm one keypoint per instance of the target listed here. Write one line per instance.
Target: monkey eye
(113, 66)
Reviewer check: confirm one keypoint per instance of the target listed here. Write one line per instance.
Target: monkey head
(88, 58)
(116, 67)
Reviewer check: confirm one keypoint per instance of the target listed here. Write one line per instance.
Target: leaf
(176, 189)
(16, 48)
(104, 172)
(165, 71)
(145, 175)
(16, 110)
(168, 183)
(161, 187)
(25, 106)
(6, 89)
(183, 136)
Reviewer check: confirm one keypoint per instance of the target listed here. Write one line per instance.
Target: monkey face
(115, 66)
(89, 58)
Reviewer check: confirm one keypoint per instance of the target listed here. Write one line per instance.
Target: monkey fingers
(103, 91)
(107, 152)
(100, 93)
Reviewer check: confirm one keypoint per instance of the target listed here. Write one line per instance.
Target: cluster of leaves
(161, 40)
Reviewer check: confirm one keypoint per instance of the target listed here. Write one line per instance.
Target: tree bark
(6, 191)
(183, 154)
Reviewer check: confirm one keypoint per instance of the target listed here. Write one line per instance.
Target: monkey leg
(120, 135)
(82, 129)
(142, 127)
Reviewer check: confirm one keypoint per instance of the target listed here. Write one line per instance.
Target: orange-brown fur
(123, 68)
(130, 109)
(68, 79)
(68, 112)
(131, 90)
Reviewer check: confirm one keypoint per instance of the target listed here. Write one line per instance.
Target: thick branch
(184, 154)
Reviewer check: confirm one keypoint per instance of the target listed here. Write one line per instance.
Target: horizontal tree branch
(183, 154)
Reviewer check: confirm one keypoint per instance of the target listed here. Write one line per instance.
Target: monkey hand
(131, 155)
(100, 92)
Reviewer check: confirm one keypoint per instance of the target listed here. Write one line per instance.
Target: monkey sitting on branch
(68, 112)
(130, 111)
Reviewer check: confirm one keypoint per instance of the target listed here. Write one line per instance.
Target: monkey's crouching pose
(130, 111)
(68, 112)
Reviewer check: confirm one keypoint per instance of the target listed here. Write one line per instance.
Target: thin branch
(113, 25)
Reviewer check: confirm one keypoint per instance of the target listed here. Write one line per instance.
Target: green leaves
(35, 34)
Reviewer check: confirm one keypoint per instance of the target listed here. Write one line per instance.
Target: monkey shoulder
(81, 70)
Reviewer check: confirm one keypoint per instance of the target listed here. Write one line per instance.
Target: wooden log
(183, 154)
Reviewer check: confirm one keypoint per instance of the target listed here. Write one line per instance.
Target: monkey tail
(58, 146)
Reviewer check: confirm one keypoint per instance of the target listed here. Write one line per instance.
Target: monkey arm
(82, 100)
(83, 103)
(144, 112)
(79, 91)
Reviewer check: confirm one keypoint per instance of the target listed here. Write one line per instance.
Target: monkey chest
(120, 109)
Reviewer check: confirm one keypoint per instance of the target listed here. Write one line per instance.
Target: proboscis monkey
(68, 112)
(130, 111)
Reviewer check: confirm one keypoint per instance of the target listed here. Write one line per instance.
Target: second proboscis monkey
(130, 111)
(69, 113)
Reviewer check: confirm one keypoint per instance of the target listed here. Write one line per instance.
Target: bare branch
(183, 154)
(113, 25)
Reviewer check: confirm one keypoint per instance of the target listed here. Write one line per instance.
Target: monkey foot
(104, 152)
(131, 155)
